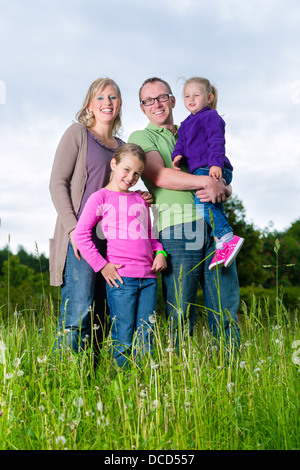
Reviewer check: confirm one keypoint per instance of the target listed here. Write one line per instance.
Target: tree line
(24, 277)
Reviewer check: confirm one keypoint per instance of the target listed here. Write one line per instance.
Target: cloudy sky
(50, 52)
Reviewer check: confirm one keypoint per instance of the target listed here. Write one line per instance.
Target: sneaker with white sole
(218, 260)
(232, 249)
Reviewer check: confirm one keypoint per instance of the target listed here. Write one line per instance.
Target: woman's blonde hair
(85, 116)
(208, 87)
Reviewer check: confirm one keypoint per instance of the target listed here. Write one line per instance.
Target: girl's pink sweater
(124, 220)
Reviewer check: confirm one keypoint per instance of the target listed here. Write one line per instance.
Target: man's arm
(169, 178)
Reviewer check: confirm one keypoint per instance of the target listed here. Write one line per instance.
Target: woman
(81, 167)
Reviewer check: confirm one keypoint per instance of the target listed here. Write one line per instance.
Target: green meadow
(202, 397)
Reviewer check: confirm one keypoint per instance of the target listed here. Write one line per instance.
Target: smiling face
(105, 105)
(159, 114)
(196, 97)
(126, 173)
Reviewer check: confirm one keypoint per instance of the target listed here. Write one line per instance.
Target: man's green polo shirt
(171, 207)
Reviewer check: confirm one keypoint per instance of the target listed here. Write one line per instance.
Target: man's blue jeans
(77, 314)
(221, 225)
(190, 248)
(131, 307)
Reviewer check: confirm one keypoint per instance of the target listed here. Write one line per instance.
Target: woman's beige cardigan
(67, 185)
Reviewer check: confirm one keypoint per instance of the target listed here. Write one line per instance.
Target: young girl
(130, 266)
(201, 141)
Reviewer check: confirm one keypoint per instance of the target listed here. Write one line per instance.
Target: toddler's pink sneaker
(231, 250)
(218, 260)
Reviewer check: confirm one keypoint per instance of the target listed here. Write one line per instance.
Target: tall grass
(194, 400)
(199, 398)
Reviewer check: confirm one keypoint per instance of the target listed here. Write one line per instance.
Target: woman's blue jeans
(131, 307)
(82, 307)
(220, 220)
(190, 248)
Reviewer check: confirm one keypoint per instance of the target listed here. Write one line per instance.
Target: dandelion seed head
(78, 402)
(9, 375)
(100, 406)
(16, 362)
(230, 387)
(154, 365)
(42, 359)
(156, 403)
(60, 440)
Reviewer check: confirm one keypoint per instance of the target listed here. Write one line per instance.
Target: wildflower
(78, 402)
(9, 375)
(16, 362)
(42, 359)
(96, 327)
(257, 370)
(2, 352)
(230, 387)
(20, 373)
(41, 408)
(100, 406)
(243, 364)
(152, 318)
(169, 350)
(89, 413)
(155, 404)
(154, 365)
(17, 314)
(261, 361)
(60, 440)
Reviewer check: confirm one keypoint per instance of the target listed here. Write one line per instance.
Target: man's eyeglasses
(160, 99)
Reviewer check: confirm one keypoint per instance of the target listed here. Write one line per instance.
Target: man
(186, 237)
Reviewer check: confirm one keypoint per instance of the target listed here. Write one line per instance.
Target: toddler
(201, 142)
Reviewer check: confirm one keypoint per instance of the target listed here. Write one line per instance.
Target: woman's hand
(110, 274)
(76, 252)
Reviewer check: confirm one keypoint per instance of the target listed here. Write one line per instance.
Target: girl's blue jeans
(221, 225)
(132, 306)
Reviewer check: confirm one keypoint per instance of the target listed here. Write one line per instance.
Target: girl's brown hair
(129, 149)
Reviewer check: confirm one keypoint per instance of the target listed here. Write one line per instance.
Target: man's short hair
(152, 80)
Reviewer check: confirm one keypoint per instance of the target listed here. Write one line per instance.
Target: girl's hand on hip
(110, 274)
